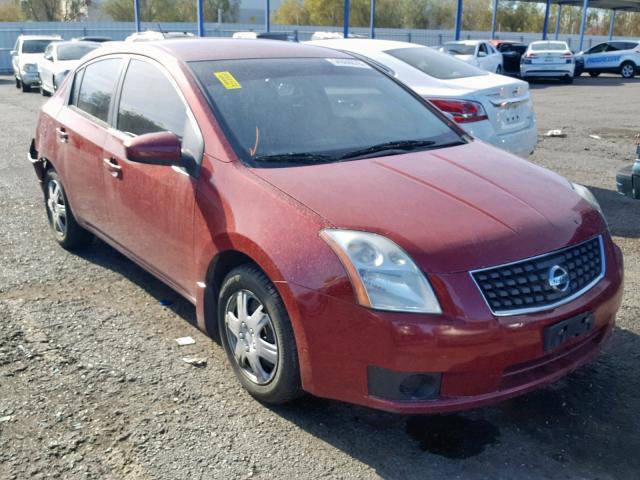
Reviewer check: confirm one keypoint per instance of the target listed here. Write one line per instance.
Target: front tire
(45, 93)
(18, 83)
(258, 337)
(25, 88)
(568, 79)
(628, 70)
(594, 74)
(499, 70)
(65, 228)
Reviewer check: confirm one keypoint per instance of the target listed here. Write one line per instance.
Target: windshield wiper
(400, 146)
(296, 158)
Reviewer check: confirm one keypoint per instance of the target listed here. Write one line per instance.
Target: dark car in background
(511, 53)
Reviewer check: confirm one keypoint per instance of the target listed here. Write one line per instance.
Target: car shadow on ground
(580, 424)
(610, 80)
(104, 255)
(622, 213)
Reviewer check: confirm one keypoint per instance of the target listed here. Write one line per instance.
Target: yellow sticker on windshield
(227, 80)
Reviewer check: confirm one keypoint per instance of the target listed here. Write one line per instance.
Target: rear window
(35, 46)
(552, 46)
(74, 52)
(97, 87)
(459, 48)
(435, 64)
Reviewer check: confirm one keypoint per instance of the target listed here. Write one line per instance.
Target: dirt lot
(92, 384)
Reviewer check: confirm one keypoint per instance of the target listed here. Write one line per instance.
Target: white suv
(29, 49)
(621, 57)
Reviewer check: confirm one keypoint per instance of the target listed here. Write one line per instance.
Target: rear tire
(273, 378)
(568, 79)
(594, 74)
(499, 70)
(65, 228)
(628, 70)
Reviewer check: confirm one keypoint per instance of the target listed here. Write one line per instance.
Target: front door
(151, 206)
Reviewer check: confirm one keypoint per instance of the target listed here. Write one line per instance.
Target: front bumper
(477, 359)
(628, 181)
(30, 79)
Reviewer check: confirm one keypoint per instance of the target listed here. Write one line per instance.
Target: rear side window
(435, 64)
(97, 88)
(75, 89)
(149, 102)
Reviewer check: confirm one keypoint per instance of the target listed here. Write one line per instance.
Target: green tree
(171, 11)
(11, 12)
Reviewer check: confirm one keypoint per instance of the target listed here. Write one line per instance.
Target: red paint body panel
(453, 210)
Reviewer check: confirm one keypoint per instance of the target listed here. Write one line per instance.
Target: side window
(482, 48)
(598, 48)
(614, 47)
(149, 102)
(97, 87)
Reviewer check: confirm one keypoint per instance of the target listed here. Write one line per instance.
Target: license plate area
(559, 333)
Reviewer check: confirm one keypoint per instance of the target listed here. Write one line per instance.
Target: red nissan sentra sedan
(339, 234)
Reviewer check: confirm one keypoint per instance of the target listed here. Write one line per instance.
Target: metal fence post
(345, 27)
(136, 14)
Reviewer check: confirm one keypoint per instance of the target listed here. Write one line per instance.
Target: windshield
(553, 46)
(35, 46)
(298, 111)
(74, 52)
(435, 64)
(459, 48)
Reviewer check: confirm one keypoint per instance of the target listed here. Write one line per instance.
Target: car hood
(30, 58)
(453, 209)
(465, 58)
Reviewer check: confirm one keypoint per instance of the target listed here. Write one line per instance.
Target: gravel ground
(92, 383)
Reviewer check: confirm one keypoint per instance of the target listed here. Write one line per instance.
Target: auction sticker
(347, 62)
(227, 80)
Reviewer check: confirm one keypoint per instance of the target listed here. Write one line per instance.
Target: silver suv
(621, 57)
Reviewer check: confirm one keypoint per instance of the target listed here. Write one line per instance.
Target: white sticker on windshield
(347, 62)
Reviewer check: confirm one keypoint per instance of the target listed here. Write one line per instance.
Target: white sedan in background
(59, 59)
(492, 108)
(548, 59)
(478, 53)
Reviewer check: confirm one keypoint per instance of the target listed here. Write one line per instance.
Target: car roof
(40, 37)
(75, 42)
(362, 45)
(467, 42)
(540, 42)
(199, 49)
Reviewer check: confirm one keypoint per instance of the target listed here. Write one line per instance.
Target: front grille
(542, 282)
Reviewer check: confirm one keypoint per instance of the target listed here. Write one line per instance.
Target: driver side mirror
(13, 53)
(49, 57)
(482, 54)
(159, 148)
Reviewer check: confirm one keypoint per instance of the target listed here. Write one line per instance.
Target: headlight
(30, 68)
(586, 194)
(383, 276)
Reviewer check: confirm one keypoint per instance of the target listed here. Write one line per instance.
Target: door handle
(62, 134)
(112, 166)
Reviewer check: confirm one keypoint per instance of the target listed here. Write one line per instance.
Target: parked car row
(339, 233)
(548, 58)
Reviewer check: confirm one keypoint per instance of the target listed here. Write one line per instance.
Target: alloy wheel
(251, 337)
(57, 208)
(628, 70)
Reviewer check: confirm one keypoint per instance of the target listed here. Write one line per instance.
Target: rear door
(81, 131)
(151, 206)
